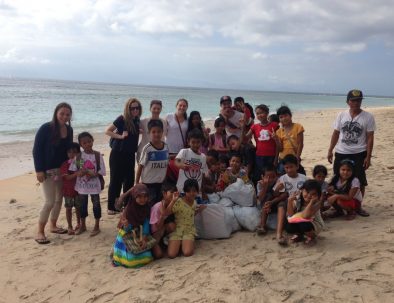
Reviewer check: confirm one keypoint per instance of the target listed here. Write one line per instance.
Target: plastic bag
(215, 222)
(247, 217)
(240, 193)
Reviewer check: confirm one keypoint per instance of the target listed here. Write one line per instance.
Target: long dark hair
(190, 122)
(348, 185)
(55, 124)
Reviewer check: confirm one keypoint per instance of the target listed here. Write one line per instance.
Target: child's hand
(280, 186)
(200, 208)
(123, 223)
(40, 176)
(272, 134)
(175, 196)
(267, 207)
(265, 181)
(142, 243)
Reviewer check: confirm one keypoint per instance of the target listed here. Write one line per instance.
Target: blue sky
(312, 46)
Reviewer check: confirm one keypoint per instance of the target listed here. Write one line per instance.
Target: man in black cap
(353, 138)
(232, 117)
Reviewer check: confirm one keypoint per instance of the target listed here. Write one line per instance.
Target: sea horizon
(29, 102)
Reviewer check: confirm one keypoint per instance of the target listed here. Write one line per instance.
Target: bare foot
(281, 241)
(70, 231)
(94, 232)
(78, 226)
(261, 230)
(80, 230)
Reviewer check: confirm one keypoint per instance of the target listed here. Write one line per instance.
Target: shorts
(183, 233)
(70, 202)
(358, 159)
(283, 204)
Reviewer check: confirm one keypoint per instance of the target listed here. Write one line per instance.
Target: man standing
(232, 117)
(353, 138)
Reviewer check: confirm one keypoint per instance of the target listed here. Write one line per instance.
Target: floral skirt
(122, 257)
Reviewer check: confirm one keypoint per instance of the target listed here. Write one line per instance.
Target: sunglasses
(134, 108)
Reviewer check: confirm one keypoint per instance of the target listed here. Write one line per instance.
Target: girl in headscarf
(135, 214)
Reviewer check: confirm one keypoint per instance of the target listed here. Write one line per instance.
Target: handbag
(97, 157)
(131, 241)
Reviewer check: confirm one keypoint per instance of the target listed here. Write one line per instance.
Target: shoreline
(16, 157)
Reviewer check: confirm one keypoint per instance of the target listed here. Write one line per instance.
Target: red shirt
(265, 145)
(68, 185)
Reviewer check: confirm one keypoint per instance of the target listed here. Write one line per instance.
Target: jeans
(83, 201)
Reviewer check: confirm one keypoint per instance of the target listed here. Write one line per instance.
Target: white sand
(352, 262)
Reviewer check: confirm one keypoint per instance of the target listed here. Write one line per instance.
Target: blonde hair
(128, 118)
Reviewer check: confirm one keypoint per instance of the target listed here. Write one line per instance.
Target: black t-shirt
(130, 143)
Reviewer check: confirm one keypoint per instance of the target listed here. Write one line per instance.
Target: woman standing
(177, 128)
(155, 108)
(49, 152)
(124, 133)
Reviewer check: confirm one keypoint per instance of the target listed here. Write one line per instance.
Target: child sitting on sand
(135, 216)
(344, 190)
(160, 223)
(268, 198)
(232, 173)
(91, 168)
(247, 153)
(69, 193)
(290, 183)
(303, 211)
(209, 183)
(184, 210)
(320, 174)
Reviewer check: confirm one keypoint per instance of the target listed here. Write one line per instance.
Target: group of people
(180, 163)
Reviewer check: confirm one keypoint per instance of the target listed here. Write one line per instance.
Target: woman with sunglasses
(124, 133)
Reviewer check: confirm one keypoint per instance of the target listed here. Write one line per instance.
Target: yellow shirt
(287, 137)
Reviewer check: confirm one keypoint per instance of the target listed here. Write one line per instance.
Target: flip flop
(332, 214)
(362, 212)
(310, 241)
(94, 233)
(42, 241)
(350, 216)
(59, 231)
(296, 238)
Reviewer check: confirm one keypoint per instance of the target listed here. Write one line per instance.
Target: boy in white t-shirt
(291, 183)
(152, 167)
(191, 163)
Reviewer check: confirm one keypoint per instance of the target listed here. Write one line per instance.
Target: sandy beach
(352, 261)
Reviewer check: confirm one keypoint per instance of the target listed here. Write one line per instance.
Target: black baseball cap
(354, 94)
(225, 99)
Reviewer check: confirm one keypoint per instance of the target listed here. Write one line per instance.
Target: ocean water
(28, 103)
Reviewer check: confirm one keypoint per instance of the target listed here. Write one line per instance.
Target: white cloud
(14, 56)
(258, 55)
(254, 22)
(221, 42)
